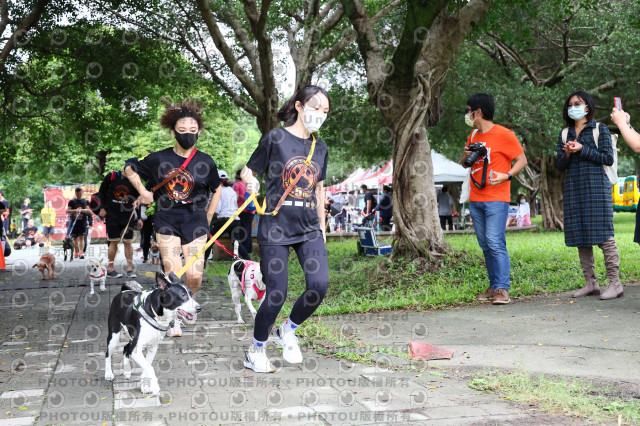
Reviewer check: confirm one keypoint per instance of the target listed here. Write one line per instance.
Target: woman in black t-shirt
(281, 155)
(183, 209)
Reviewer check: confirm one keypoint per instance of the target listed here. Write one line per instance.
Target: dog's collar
(99, 276)
(153, 322)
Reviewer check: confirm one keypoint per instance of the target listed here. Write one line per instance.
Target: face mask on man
(468, 120)
(577, 112)
(186, 140)
(313, 119)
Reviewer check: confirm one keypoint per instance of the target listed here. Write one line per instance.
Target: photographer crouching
(490, 151)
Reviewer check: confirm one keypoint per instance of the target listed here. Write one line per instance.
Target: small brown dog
(154, 253)
(48, 262)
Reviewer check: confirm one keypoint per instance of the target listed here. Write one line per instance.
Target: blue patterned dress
(588, 207)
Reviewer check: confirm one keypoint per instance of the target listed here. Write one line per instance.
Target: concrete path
(53, 338)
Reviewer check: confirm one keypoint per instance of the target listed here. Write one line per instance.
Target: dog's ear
(173, 278)
(101, 259)
(35, 266)
(161, 281)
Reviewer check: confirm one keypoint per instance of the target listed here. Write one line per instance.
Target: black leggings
(312, 256)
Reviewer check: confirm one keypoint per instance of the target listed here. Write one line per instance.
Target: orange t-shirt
(502, 148)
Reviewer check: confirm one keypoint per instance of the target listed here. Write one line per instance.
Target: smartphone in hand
(617, 102)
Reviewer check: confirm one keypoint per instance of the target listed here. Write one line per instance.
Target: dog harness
(138, 301)
(252, 266)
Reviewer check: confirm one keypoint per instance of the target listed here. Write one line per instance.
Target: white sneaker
(257, 360)
(175, 331)
(289, 342)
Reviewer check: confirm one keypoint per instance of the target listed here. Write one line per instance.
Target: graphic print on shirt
(179, 188)
(120, 192)
(306, 185)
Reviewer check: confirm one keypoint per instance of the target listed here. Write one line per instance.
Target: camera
(477, 150)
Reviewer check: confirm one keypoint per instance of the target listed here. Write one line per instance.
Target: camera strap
(483, 182)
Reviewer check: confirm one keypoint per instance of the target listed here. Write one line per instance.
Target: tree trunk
(415, 209)
(531, 199)
(551, 183)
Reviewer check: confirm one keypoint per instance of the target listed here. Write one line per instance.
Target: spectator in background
(446, 208)
(78, 208)
(632, 138)
(26, 211)
(339, 213)
(246, 216)
(370, 203)
(523, 217)
(4, 205)
(226, 207)
(48, 217)
(13, 229)
(32, 234)
(587, 202)
(385, 207)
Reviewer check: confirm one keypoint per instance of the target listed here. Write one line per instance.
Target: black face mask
(186, 140)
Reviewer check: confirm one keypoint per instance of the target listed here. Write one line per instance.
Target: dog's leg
(234, 286)
(53, 271)
(149, 381)
(112, 342)
(247, 300)
(102, 283)
(91, 282)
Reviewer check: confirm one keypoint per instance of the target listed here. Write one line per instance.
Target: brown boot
(488, 294)
(612, 263)
(586, 262)
(501, 297)
(614, 291)
(591, 288)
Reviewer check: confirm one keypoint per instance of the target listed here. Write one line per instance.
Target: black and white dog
(147, 315)
(245, 278)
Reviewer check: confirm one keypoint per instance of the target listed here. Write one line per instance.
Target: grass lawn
(540, 263)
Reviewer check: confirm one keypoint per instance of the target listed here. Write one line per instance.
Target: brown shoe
(486, 295)
(501, 297)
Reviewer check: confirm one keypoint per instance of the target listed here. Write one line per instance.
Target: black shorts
(80, 228)
(182, 222)
(33, 240)
(48, 230)
(115, 226)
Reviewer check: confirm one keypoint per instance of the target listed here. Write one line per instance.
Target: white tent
(445, 170)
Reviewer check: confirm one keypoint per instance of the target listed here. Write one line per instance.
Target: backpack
(612, 170)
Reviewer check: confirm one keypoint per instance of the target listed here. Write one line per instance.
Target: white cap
(222, 174)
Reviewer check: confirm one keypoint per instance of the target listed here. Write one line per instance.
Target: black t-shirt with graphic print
(74, 203)
(280, 155)
(118, 194)
(30, 232)
(192, 186)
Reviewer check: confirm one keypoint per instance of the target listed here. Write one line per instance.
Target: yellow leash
(195, 257)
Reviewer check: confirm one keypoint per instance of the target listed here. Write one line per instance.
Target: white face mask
(576, 112)
(468, 120)
(523, 201)
(313, 119)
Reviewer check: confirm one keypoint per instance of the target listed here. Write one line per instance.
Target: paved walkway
(53, 338)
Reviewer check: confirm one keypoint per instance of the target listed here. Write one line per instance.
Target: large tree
(404, 80)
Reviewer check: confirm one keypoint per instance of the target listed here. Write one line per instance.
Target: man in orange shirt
(499, 157)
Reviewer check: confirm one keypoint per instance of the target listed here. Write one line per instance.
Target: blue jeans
(490, 223)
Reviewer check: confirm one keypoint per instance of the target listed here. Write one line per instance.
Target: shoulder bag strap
(175, 172)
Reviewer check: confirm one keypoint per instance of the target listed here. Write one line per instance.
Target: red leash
(224, 248)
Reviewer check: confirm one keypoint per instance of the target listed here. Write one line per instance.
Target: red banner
(59, 197)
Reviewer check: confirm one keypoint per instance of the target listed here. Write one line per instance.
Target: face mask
(523, 201)
(313, 119)
(468, 120)
(186, 140)
(576, 112)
